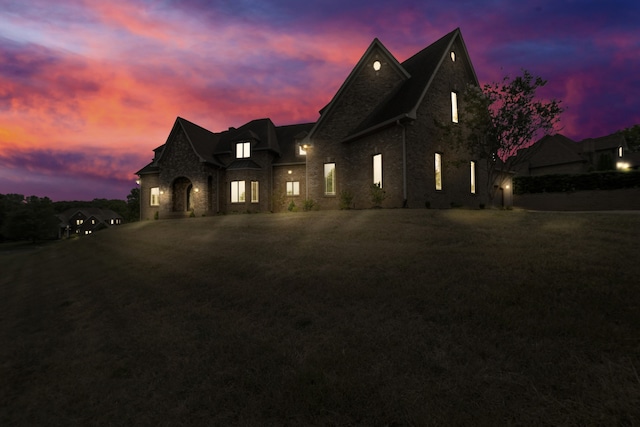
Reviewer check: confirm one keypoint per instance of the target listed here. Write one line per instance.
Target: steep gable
(200, 140)
(376, 75)
(422, 69)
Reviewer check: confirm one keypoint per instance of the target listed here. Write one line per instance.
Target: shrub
(346, 197)
(377, 195)
(308, 205)
(156, 215)
(292, 207)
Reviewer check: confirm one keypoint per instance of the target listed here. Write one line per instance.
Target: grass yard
(368, 317)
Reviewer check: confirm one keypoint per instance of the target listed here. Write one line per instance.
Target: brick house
(557, 154)
(85, 221)
(379, 129)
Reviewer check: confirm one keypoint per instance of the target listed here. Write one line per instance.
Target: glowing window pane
(438, 171)
(473, 177)
(330, 179)
(377, 170)
(243, 150)
(293, 188)
(454, 107)
(155, 196)
(237, 192)
(620, 151)
(254, 191)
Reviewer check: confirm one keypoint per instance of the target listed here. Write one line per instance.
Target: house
(86, 221)
(557, 154)
(378, 133)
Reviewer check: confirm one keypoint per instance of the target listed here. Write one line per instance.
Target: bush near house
(562, 183)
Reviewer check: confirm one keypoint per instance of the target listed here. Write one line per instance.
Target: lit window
(438, 170)
(243, 150)
(453, 56)
(377, 170)
(112, 222)
(620, 151)
(293, 188)
(155, 196)
(377, 65)
(254, 192)
(330, 179)
(301, 150)
(93, 221)
(237, 191)
(473, 177)
(79, 221)
(454, 107)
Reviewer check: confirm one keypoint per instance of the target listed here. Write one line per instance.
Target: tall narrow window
(473, 177)
(377, 170)
(454, 107)
(330, 179)
(254, 192)
(237, 192)
(293, 188)
(155, 196)
(243, 150)
(620, 151)
(438, 170)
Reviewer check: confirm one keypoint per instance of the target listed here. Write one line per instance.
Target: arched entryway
(182, 198)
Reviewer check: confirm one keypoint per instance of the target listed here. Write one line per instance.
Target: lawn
(366, 317)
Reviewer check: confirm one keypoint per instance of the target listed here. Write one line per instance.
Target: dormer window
(243, 150)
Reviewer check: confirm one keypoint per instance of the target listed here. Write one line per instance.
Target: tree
(133, 205)
(32, 218)
(500, 119)
(632, 136)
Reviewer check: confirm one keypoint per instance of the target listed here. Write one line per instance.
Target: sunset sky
(89, 88)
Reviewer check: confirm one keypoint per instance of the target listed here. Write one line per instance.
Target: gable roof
(554, 150)
(419, 71)
(607, 142)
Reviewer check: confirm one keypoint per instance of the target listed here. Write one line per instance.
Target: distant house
(86, 221)
(558, 154)
(378, 132)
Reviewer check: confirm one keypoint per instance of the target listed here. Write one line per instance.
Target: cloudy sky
(89, 88)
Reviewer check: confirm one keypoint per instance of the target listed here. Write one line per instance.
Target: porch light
(289, 171)
(377, 65)
(196, 190)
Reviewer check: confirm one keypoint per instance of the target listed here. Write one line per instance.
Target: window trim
(255, 192)
(243, 150)
(240, 196)
(455, 117)
(377, 170)
(326, 179)
(295, 188)
(472, 171)
(438, 171)
(154, 196)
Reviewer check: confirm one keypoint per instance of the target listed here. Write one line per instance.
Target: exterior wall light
(196, 190)
(377, 65)
(289, 172)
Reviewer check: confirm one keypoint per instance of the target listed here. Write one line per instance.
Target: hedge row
(610, 180)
